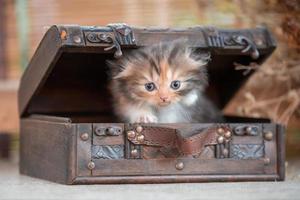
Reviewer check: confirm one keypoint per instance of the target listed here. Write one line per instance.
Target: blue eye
(149, 86)
(175, 84)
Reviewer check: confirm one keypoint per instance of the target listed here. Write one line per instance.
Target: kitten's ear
(115, 68)
(202, 57)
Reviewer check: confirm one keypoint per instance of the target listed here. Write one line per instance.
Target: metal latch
(120, 34)
(109, 131)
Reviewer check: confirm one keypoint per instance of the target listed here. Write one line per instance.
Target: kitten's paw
(147, 119)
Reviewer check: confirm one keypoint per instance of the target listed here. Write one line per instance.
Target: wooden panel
(167, 166)
(109, 140)
(247, 140)
(44, 149)
(270, 149)
(40, 65)
(84, 149)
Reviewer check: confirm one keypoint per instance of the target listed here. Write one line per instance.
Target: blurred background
(273, 91)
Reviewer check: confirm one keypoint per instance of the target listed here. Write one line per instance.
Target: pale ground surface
(15, 186)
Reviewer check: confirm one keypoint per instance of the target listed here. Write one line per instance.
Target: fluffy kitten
(162, 83)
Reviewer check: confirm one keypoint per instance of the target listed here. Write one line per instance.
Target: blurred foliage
(274, 91)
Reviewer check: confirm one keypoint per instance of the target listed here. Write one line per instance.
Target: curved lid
(67, 73)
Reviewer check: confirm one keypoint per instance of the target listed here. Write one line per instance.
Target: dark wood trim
(173, 179)
(39, 67)
(50, 118)
(281, 151)
(167, 166)
(72, 152)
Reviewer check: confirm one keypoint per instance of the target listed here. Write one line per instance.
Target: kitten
(162, 83)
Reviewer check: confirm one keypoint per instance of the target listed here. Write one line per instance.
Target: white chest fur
(173, 114)
(178, 112)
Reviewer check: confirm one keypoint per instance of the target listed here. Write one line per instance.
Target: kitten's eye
(175, 85)
(150, 86)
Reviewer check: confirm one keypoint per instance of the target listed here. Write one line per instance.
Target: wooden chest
(70, 135)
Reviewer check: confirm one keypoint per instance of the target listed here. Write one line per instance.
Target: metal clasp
(109, 131)
(243, 40)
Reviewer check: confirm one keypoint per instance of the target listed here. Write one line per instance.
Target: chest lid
(68, 72)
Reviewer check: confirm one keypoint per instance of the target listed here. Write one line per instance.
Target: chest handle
(171, 142)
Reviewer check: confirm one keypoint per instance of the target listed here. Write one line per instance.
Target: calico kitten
(162, 83)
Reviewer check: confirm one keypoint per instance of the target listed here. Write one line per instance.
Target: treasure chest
(69, 133)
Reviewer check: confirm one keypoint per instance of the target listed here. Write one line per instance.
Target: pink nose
(164, 98)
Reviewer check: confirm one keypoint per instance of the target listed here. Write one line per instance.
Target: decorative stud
(77, 39)
(110, 131)
(225, 153)
(140, 138)
(249, 130)
(227, 134)
(268, 136)
(179, 166)
(131, 134)
(255, 54)
(258, 41)
(267, 161)
(220, 131)
(220, 139)
(99, 131)
(68, 125)
(63, 35)
(84, 136)
(134, 153)
(252, 130)
(139, 129)
(91, 165)
(239, 130)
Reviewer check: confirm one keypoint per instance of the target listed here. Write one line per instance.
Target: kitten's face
(161, 75)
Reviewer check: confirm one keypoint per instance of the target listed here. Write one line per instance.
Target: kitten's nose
(164, 98)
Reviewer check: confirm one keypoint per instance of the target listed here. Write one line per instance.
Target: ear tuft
(202, 57)
(114, 67)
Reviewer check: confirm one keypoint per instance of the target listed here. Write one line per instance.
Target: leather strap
(196, 143)
(169, 139)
